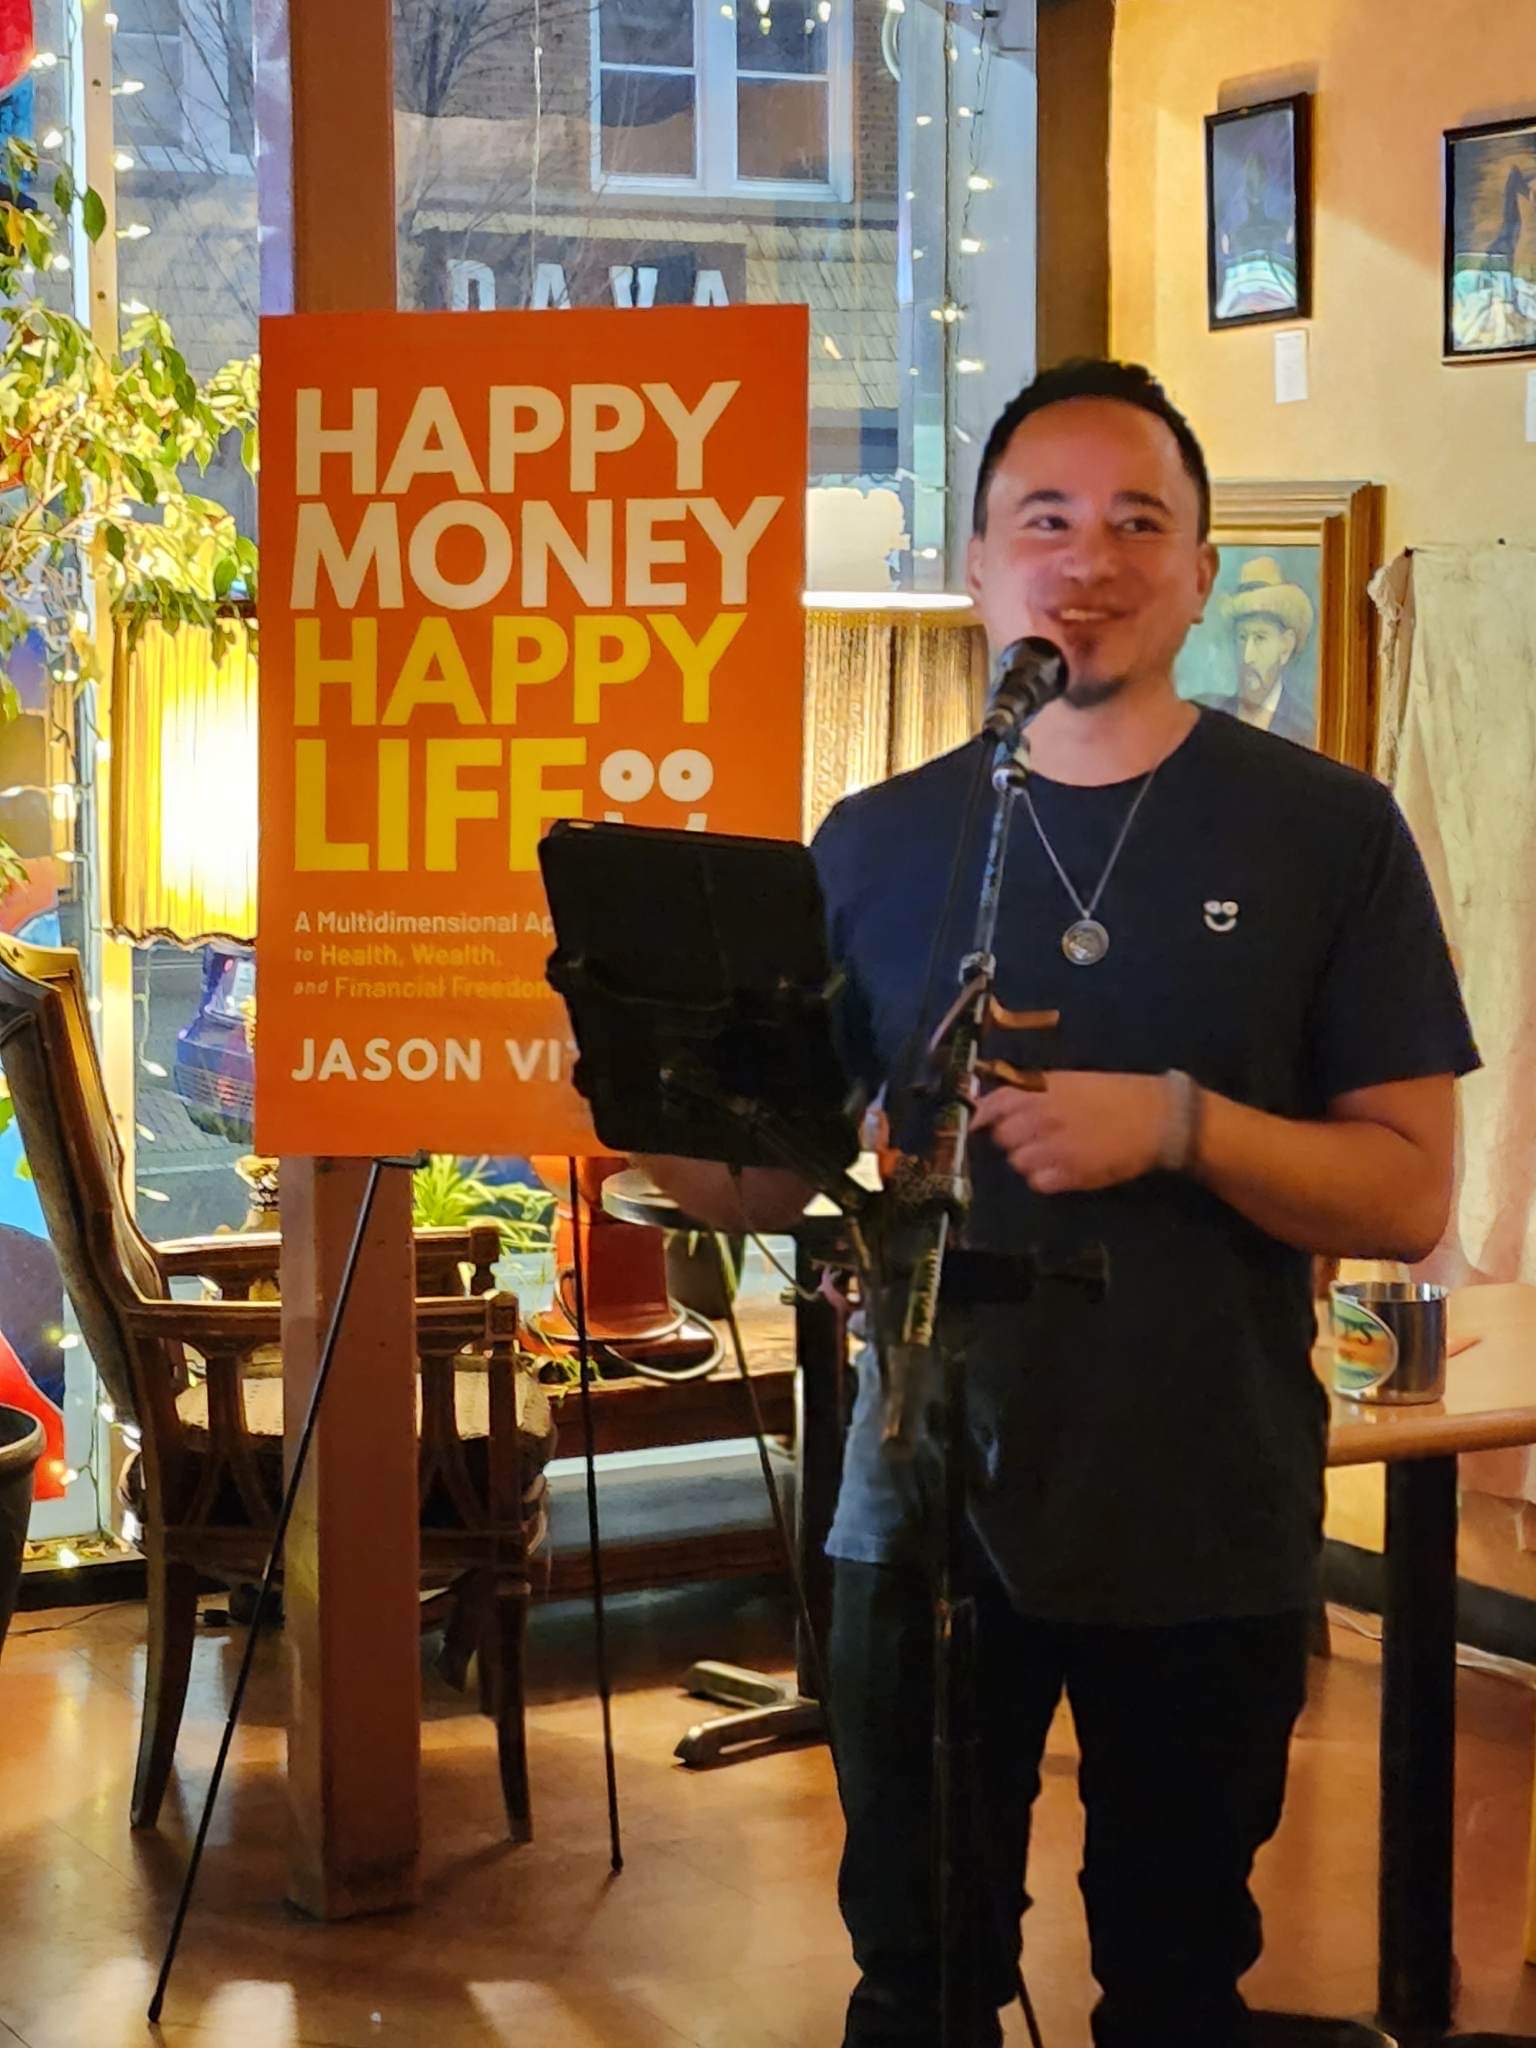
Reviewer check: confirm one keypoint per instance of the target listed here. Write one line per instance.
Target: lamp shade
(183, 818)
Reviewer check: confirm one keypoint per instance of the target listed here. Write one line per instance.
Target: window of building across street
(722, 96)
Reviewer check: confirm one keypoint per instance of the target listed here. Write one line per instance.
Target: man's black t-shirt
(1155, 1457)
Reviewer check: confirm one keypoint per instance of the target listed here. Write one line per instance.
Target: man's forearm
(759, 1199)
(1342, 1188)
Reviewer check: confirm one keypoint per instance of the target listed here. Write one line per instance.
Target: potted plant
(704, 1270)
(95, 453)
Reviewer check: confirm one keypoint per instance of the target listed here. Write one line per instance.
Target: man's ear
(973, 553)
(1205, 574)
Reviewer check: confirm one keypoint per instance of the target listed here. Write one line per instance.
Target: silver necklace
(1085, 942)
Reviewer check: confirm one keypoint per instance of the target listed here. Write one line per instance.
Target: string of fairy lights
(58, 80)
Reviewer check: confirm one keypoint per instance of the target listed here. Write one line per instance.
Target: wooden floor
(722, 1931)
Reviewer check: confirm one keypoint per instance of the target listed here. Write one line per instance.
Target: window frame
(716, 77)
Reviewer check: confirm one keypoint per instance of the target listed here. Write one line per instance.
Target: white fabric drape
(1459, 741)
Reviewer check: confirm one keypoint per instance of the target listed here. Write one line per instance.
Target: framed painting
(1490, 241)
(1258, 213)
(1288, 640)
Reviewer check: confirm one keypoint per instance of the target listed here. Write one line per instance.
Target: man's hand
(1370, 1180)
(1085, 1131)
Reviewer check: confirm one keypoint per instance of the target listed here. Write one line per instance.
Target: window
(720, 98)
(151, 100)
(239, 46)
(185, 86)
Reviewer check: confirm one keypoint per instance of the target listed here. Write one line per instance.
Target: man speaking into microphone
(1259, 1036)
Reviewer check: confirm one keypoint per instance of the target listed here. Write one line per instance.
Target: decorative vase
(260, 1176)
(21, 1445)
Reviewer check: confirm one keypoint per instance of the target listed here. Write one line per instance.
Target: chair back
(49, 1058)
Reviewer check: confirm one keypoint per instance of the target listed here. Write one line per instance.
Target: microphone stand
(926, 1395)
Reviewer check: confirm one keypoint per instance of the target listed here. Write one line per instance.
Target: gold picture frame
(1298, 558)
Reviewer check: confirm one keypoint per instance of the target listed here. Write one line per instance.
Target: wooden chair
(208, 1478)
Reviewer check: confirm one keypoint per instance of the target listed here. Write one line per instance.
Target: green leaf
(225, 575)
(37, 235)
(116, 540)
(93, 214)
(64, 190)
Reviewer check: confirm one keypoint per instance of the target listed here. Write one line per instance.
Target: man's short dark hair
(1094, 377)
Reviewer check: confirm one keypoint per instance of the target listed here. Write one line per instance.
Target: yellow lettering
(358, 669)
(593, 668)
(312, 850)
(512, 670)
(447, 804)
(433, 672)
(394, 806)
(696, 662)
(529, 802)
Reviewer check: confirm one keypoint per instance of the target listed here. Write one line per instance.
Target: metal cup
(1388, 1340)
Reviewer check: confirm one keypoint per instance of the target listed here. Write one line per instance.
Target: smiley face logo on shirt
(1220, 917)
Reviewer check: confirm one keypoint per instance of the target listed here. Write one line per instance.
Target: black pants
(1183, 1734)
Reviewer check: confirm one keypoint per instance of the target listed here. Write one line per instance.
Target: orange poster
(515, 567)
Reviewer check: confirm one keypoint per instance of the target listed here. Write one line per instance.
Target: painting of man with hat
(1255, 655)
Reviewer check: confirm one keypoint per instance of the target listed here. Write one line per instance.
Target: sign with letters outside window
(516, 567)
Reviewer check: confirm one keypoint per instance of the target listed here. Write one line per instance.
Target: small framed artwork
(1288, 639)
(1490, 241)
(1258, 212)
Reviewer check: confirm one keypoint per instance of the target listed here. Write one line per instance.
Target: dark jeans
(1183, 1734)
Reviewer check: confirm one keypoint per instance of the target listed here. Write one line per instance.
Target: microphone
(1027, 675)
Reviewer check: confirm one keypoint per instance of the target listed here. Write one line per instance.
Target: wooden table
(1490, 1402)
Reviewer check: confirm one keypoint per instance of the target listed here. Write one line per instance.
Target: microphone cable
(912, 1047)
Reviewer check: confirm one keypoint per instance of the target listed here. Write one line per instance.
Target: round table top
(633, 1197)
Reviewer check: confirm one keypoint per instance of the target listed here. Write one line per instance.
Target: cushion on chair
(471, 1403)
(472, 1407)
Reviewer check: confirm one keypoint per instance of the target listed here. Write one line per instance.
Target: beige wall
(1389, 76)
(1447, 442)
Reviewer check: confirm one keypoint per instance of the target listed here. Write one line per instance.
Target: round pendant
(1085, 943)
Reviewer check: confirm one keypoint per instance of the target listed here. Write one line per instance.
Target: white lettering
(691, 429)
(509, 440)
(432, 444)
(645, 551)
(317, 545)
(550, 288)
(735, 542)
(605, 418)
(495, 570)
(359, 440)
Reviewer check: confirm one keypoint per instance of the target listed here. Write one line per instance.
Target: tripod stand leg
(955, 1836)
(594, 1542)
(268, 1579)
